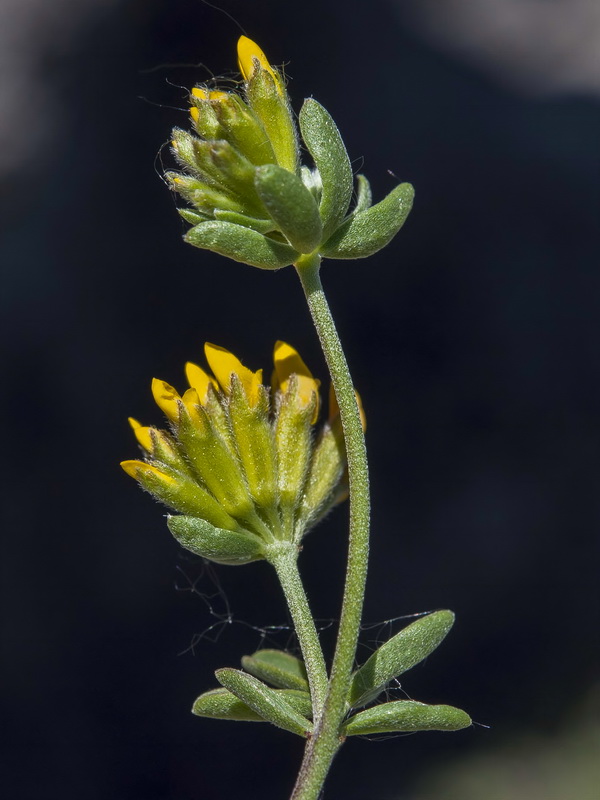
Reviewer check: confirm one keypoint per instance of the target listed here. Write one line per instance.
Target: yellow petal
(199, 380)
(224, 364)
(166, 397)
(288, 362)
(248, 53)
(191, 400)
(142, 434)
(195, 113)
(207, 94)
(134, 468)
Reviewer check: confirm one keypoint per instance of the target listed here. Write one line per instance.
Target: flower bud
(293, 440)
(269, 102)
(326, 472)
(202, 195)
(220, 163)
(244, 130)
(204, 116)
(179, 492)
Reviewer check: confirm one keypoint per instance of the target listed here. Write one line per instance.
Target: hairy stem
(286, 566)
(325, 742)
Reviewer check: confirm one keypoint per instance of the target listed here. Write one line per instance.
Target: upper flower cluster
(241, 462)
(252, 200)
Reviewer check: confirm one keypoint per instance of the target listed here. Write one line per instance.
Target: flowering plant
(248, 467)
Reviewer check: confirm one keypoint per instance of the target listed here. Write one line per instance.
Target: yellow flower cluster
(243, 458)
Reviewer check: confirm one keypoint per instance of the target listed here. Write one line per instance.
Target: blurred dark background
(473, 339)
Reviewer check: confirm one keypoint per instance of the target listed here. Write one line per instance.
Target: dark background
(473, 339)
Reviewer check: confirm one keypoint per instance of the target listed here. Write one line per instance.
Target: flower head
(242, 462)
(251, 198)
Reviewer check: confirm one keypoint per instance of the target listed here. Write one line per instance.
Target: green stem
(325, 741)
(286, 566)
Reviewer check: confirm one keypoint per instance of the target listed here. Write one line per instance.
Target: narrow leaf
(222, 704)
(241, 244)
(277, 668)
(327, 148)
(215, 544)
(265, 701)
(365, 233)
(399, 654)
(406, 716)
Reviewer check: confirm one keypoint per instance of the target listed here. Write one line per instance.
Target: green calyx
(252, 200)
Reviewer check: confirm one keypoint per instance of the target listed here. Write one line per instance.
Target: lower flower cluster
(242, 462)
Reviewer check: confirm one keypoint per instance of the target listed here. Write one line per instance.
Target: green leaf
(265, 701)
(241, 244)
(290, 205)
(277, 668)
(215, 544)
(364, 196)
(406, 716)
(326, 146)
(399, 654)
(222, 704)
(365, 233)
